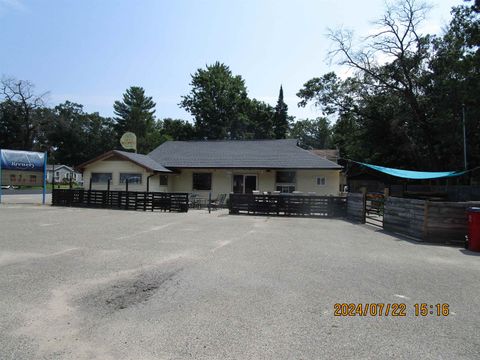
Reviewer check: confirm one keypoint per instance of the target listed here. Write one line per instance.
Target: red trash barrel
(473, 228)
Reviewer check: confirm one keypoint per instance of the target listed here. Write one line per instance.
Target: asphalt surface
(24, 191)
(102, 284)
(24, 197)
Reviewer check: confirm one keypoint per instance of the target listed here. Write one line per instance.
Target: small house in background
(217, 167)
(62, 173)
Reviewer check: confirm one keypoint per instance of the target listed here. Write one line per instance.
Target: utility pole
(464, 139)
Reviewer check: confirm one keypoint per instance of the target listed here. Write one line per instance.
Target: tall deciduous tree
(135, 113)
(18, 112)
(402, 105)
(218, 102)
(280, 119)
(176, 129)
(312, 134)
(75, 136)
(260, 117)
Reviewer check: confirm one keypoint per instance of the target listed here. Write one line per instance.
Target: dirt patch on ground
(124, 293)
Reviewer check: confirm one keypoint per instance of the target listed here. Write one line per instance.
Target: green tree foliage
(218, 102)
(75, 136)
(406, 110)
(260, 117)
(11, 132)
(176, 129)
(19, 123)
(280, 118)
(454, 82)
(312, 134)
(135, 113)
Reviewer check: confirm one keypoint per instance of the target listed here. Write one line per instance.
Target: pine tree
(135, 113)
(280, 119)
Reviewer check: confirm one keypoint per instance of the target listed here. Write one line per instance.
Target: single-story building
(62, 173)
(223, 166)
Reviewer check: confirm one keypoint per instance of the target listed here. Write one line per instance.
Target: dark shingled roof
(264, 154)
(142, 160)
(139, 159)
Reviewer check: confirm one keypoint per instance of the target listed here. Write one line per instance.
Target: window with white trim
(163, 180)
(133, 178)
(101, 177)
(321, 180)
(285, 181)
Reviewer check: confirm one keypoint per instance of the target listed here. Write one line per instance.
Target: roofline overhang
(106, 155)
(339, 168)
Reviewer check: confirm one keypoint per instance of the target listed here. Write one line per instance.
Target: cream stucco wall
(307, 181)
(222, 179)
(115, 167)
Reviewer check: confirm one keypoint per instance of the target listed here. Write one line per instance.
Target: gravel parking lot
(103, 284)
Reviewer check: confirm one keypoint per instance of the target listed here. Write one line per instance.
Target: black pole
(71, 180)
(89, 189)
(126, 184)
(108, 192)
(53, 176)
(209, 201)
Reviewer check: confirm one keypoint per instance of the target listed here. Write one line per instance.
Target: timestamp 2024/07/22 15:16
(391, 309)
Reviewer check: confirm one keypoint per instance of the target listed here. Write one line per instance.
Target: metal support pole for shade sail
(44, 177)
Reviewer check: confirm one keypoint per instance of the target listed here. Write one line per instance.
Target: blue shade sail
(409, 174)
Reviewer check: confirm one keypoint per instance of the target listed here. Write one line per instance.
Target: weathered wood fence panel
(439, 222)
(447, 221)
(126, 200)
(288, 205)
(405, 216)
(356, 207)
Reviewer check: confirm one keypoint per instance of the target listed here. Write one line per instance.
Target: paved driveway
(101, 284)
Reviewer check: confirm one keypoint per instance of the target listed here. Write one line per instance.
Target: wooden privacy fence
(126, 200)
(440, 222)
(356, 207)
(288, 205)
(404, 216)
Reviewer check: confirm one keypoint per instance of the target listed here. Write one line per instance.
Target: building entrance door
(244, 184)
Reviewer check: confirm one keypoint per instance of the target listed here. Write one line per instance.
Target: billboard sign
(23, 168)
(22, 160)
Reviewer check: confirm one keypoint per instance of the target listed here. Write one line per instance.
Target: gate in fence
(374, 208)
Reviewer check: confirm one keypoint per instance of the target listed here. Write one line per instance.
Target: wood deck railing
(288, 205)
(126, 200)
